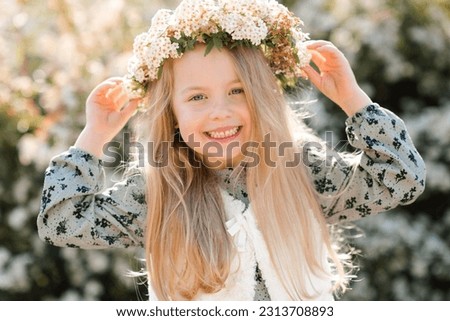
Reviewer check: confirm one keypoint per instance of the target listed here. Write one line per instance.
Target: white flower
(161, 20)
(303, 55)
(247, 21)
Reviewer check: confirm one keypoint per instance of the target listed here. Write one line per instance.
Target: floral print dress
(77, 211)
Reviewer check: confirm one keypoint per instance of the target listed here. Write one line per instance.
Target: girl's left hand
(335, 78)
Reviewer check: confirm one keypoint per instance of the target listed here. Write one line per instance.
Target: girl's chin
(221, 162)
(224, 152)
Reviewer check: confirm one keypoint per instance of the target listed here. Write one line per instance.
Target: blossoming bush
(53, 53)
(398, 52)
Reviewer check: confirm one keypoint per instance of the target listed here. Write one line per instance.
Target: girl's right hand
(108, 109)
(334, 77)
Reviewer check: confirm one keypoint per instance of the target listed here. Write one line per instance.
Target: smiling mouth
(224, 134)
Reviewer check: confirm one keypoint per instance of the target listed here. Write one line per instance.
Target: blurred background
(54, 52)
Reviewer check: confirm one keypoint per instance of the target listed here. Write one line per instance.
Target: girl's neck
(233, 180)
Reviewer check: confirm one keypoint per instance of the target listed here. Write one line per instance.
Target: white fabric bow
(238, 227)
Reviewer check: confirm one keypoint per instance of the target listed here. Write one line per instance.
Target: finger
(116, 80)
(317, 58)
(121, 100)
(117, 96)
(113, 81)
(114, 92)
(313, 75)
(98, 95)
(328, 50)
(332, 54)
(314, 44)
(108, 100)
(130, 108)
(104, 86)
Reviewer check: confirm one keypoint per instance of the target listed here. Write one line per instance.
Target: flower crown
(263, 24)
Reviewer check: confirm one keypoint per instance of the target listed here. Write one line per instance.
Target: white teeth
(224, 134)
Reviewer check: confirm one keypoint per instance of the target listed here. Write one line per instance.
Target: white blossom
(252, 21)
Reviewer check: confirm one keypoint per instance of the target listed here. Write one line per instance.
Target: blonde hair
(188, 248)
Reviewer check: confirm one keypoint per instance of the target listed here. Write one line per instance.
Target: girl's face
(210, 106)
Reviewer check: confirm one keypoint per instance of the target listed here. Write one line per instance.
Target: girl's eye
(197, 97)
(237, 91)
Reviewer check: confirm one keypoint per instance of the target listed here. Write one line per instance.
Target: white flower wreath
(264, 24)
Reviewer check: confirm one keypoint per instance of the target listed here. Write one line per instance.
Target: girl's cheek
(191, 137)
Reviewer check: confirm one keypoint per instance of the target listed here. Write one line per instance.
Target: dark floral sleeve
(76, 211)
(386, 173)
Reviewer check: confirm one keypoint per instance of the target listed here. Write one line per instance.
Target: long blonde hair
(187, 246)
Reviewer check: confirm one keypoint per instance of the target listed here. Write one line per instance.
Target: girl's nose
(220, 109)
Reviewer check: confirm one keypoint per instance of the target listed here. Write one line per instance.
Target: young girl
(233, 201)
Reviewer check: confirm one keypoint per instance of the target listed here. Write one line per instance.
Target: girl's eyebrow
(192, 88)
(195, 88)
(235, 81)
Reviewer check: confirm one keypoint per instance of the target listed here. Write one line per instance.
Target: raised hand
(108, 109)
(335, 78)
